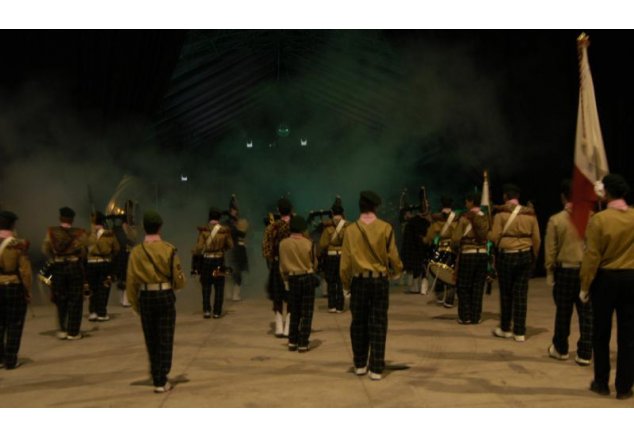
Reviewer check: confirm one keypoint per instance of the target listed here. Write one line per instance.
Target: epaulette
(20, 244)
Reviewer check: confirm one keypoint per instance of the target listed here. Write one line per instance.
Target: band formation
(454, 255)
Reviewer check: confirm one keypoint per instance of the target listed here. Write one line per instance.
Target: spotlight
(184, 177)
(283, 130)
(249, 143)
(303, 142)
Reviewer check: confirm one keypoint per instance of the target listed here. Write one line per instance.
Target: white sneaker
(162, 389)
(502, 334)
(359, 371)
(332, 310)
(92, 316)
(375, 376)
(75, 337)
(519, 337)
(582, 361)
(104, 318)
(62, 335)
(553, 353)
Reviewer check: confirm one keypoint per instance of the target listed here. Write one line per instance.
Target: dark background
(440, 106)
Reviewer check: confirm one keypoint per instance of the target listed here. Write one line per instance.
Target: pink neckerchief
(65, 225)
(152, 238)
(286, 218)
(619, 204)
(513, 202)
(475, 209)
(296, 235)
(368, 218)
(446, 210)
(98, 227)
(6, 234)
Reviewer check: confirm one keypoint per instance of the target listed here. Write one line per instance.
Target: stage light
(249, 143)
(303, 142)
(283, 130)
(184, 178)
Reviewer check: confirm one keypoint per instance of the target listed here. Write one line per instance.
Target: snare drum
(442, 265)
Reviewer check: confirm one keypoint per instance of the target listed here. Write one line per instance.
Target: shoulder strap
(212, 235)
(514, 214)
(5, 244)
(450, 219)
(367, 241)
(337, 230)
(171, 275)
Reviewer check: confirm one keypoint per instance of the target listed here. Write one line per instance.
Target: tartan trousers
(275, 287)
(158, 317)
(613, 290)
(333, 279)
(96, 273)
(472, 273)
(301, 303)
(368, 331)
(566, 297)
(514, 270)
(12, 315)
(68, 279)
(208, 281)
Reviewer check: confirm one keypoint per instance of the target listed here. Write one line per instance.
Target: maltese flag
(591, 164)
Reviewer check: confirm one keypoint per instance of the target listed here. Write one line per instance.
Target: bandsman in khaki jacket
(103, 247)
(66, 245)
(607, 277)
(563, 252)
(439, 236)
(297, 268)
(470, 240)
(515, 233)
(154, 274)
(330, 245)
(369, 259)
(212, 244)
(15, 289)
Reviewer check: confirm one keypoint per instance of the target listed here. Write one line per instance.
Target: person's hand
(584, 296)
(550, 279)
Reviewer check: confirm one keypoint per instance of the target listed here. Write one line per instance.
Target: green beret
(370, 197)
(7, 220)
(298, 224)
(337, 207)
(151, 218)
(616, 185)
(214, 213)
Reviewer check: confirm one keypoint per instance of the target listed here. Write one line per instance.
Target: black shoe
(625, 395)
(600, 389)
(216, 316)
(303, 349)
(207, 315)
(292, 347)
(18, 364)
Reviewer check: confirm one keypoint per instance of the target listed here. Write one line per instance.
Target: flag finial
(583, 40)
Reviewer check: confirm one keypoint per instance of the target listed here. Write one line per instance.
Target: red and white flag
(591, 164)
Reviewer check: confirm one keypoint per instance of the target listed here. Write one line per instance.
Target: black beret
(152, 219)
(7, 219)
(214, 213)
(510, 188)
(370, 198)
(337, 208)
(99, 218)
(284, 205)
(615, 185)
(298, 224)
(67, 212)
(446, 201)
(475, 197)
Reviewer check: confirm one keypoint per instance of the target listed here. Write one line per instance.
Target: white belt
(66, 259)
(213, 255)
(299, 273)
(371, 274)
(95, 260)
(334, 252)
(473, 250)
(568, 265)
(241, 243)
(524, 250)
(156, 287)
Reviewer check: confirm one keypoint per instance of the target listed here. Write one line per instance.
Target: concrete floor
(237, 362)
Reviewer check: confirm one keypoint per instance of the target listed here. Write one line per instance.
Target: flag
(485, 203)
(591, 164)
